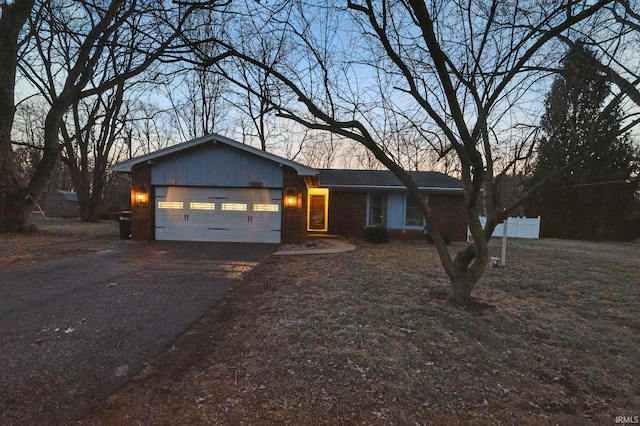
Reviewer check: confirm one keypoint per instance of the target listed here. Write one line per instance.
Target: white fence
(517, 227)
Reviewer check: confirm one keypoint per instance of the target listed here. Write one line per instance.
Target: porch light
(140, 197)
(292, 198)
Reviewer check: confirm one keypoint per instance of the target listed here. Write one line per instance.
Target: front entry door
(318, 207)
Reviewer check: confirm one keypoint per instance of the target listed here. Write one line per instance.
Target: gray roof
(331, 178)
(125, 166)
(384, 179)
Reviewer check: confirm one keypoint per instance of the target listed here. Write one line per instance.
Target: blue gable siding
(216, 165)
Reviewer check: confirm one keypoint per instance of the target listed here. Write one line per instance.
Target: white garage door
(218, 214)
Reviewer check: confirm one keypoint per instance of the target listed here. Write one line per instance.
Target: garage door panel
(218, 214)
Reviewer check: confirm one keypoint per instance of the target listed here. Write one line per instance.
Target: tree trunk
(88, 209)
(468, 267)
(460, 291)
(7, 181)
(83, 193)
(15, 207)
(461, 285)
(16, 212)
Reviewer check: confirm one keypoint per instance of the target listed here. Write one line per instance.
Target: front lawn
(56, 237)
(366, 337)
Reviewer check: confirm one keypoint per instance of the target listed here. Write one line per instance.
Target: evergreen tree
(589, 199)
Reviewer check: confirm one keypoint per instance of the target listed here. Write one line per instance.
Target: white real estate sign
(517, 227)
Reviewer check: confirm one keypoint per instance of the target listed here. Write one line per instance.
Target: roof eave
(393, 188)
(127, 165)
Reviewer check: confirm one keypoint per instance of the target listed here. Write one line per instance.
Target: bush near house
(376, 234)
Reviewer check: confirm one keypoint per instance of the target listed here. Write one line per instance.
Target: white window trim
(413, 227)
(386, 195)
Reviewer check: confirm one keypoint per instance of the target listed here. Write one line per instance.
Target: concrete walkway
(328, 245)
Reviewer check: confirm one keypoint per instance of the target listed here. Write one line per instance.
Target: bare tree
(319, 149)
(12, 22)
(355, 156)
(256, 87)
(196, 93)
(88, 143)
(149, 128)
(28, 146)
(90, 128)
(613, 40)
(138, 31)
(462, 70)
(251, 87)
(198, 103)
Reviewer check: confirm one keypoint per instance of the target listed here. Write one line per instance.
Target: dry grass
(366, 338)
(56, 238)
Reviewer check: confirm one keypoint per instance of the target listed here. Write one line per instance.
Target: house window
(202, 206)
(413, 215)
(170, 205)
(238, 207)
(265, 207)
(377, 210)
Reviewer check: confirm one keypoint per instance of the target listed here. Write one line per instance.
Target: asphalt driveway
(73, 330)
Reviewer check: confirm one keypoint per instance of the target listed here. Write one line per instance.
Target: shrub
(376, 234)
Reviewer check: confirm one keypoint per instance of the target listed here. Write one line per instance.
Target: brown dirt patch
(365, 337)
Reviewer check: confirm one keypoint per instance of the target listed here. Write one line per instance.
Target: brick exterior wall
(347, 212)
(142, 217)
(452, 219)
(294, 220)
(348, 216)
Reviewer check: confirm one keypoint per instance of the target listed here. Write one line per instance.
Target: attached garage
(216, 189)
(218, 214)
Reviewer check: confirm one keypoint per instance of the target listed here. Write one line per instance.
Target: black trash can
(124, 219)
